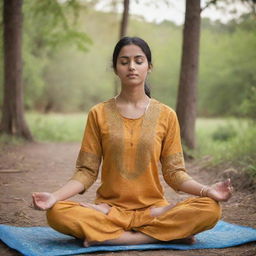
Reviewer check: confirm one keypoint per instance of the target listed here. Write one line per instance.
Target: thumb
(227, 182)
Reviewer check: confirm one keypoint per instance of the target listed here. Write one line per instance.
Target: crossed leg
(172, 222)
(134, 237)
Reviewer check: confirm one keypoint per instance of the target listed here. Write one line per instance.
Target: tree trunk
(123, 30)
(124, 22)
(186, 102)
(13, 121)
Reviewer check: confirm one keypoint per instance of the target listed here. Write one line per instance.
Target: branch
(208, 4)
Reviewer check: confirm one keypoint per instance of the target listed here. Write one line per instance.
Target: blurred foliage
(248, 106)
(227, 67)
(57, 127)
(60, 75)
(47, 27)
(224, 133)
(238, 150)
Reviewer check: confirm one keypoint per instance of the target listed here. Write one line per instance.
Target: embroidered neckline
(128, 118)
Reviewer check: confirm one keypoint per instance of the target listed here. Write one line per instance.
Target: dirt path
(45, 167)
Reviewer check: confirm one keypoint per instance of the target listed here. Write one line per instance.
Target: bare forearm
(192, 187)
(71, 188)
(220, 191)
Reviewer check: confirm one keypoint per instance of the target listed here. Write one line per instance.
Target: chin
(133, 82)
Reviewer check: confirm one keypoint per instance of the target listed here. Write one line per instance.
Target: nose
(131, 66)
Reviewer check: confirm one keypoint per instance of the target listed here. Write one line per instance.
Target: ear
(150, 67)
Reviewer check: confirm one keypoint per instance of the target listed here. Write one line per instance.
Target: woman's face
(132, 65)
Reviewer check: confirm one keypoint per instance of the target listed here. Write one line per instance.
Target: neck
(134, 95)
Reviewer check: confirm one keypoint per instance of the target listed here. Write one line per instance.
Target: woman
(131, 134)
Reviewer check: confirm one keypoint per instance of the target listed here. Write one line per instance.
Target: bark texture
(125, 18)
(13, 121)
(123, 32)
(186, 101)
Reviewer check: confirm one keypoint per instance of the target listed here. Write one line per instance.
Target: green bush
(57, 127)
(224, 133)
(235, 145)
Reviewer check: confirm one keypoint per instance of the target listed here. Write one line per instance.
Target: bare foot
(187, 240)
(104, 208)
(88, 244)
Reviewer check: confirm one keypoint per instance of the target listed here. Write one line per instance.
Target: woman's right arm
(45, 200)
(87, 168)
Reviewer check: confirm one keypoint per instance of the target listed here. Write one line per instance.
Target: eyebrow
(127, 57)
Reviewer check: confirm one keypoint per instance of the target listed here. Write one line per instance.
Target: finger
(35, 194)
(84, 205)
(34, 200)
(36, 206)
(227, 182)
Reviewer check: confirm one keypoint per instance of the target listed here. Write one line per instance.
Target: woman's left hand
(221, 191)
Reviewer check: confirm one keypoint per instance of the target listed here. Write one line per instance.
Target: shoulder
(99, 108)
(165, 110)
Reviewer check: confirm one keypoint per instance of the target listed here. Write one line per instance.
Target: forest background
(66, 71)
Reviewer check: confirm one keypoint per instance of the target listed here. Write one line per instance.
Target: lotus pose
(133, 137)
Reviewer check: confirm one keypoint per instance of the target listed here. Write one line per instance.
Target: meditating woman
(129, 136)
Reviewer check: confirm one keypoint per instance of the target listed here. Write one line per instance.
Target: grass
(57, 127)
(228, 140)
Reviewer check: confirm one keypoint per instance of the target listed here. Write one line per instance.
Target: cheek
(143, 70)
(119, 71)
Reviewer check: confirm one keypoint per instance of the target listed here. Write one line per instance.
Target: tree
(123, 29)
(125, 17)
(186, 101)
(48, 28)
(13, 121)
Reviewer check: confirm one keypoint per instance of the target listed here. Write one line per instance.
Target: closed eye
(139, 59)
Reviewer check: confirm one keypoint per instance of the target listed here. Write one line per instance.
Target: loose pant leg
(187, 218)
(73, 219)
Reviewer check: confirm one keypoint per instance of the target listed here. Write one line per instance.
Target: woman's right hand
(43, 200)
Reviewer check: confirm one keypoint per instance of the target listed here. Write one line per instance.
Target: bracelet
(203, 191)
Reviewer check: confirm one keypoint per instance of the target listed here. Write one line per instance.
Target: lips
(132, 75)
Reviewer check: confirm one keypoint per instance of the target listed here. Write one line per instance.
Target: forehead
(131, 51)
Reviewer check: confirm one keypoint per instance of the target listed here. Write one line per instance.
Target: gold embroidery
(173, 168)
(89, 161)
(146, 142)
(173, 162)
(144, 147)
(87, 168)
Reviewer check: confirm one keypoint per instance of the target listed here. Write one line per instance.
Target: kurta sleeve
(172, 160)
(89, 157)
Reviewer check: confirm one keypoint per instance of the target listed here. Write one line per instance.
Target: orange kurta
(131, 150)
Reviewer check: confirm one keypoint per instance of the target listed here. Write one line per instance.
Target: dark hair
(140, 43)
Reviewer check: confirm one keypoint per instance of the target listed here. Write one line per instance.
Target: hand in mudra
(43, 200)
(221, 191)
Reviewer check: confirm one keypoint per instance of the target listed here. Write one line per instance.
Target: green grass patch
(232, 140)
(6, 139)
(57, 127)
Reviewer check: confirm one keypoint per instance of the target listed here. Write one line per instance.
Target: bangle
(203, 191)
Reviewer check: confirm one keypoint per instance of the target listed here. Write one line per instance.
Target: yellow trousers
(187, 218)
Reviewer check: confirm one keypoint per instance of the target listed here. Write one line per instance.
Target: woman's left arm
(221, 191)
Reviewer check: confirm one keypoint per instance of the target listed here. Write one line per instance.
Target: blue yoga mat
(44, 241)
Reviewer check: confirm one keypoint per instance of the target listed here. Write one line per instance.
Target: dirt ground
(46, 166)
